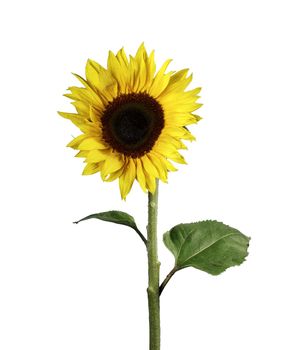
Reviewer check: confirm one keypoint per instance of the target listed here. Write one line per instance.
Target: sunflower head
(132, 118)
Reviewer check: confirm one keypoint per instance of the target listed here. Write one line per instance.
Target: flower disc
(132, 123)
(132, 118)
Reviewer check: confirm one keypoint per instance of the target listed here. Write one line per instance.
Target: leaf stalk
(167, 279)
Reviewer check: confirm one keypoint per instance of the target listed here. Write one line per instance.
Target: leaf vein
(205, 248)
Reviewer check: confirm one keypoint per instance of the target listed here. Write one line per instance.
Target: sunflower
(132, 118)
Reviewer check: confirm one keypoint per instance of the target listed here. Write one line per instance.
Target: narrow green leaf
(209, 246)
(117, 217)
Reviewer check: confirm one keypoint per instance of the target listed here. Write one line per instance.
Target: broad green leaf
(209, 246)
(117, 217)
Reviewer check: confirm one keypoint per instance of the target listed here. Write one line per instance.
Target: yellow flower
(132, 118)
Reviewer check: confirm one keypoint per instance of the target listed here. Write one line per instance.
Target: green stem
(153, 270)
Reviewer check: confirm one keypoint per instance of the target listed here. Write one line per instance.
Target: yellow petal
(116, 70)
(140, 53)
(86, 96)
(96, 156)
(123, 61)
(95, 115)
(108, 85)
(74, 118)
(163, 160)
(111, 164)
(151, 69)
(133, 78)
(102, 80)
(179, 132)
(92, 67)
(172, 140)
(177, 84)
(142, 77)
(140, 174)
(141, 59)
(178, 77)
(150, 182)
(161, 168)
(76, 141)
(165, 148)
(169, 151)
(148, 166)
(178, 99)
(93, 70)
(161, 80)
(122, 58)
(82, 108)
(176, 119)
(115, 175)
(82, 154)
(94, 97)
(178, 158)
(127, 178)
(91, 168)
(90, 143)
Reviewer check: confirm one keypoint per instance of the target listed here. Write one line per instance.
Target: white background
(67, 287)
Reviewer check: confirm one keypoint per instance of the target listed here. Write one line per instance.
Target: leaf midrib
(205, 248)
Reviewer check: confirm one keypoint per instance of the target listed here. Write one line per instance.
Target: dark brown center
(132, 123)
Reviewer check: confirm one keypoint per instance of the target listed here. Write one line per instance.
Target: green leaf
(117, 217)
(209, 246)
